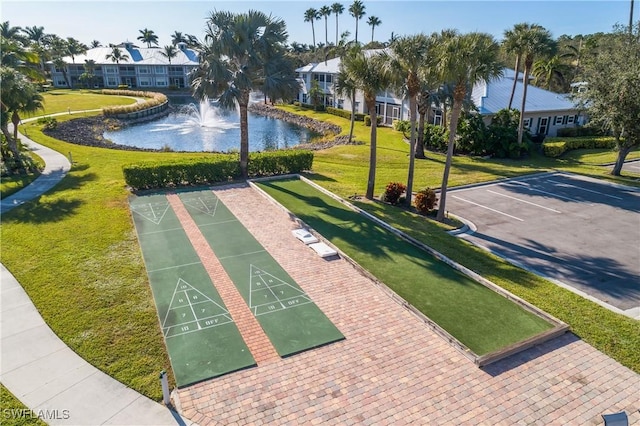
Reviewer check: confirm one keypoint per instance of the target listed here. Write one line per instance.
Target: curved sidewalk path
(44, 373)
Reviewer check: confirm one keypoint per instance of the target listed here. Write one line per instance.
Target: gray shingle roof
(137, 56)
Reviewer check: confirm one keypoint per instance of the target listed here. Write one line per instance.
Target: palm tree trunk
(525, 82)
(336, 29)
(353, 114)
(412, 119)
(420, 138)
(455, 115)
(515, 81)
(313, 32)
(15, 119)
(244, 134)
(371, 181)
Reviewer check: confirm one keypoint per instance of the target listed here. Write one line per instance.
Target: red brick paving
(253, 335)
(391, 368)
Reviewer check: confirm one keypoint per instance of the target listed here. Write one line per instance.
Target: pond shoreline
(89, 131)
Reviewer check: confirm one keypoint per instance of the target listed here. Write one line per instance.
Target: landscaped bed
(478, 317)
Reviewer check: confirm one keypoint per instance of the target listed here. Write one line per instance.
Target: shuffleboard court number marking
(190, 311)
(153, 212)
(207, 205)
(269, 294)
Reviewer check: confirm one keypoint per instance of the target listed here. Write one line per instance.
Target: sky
(115, 21)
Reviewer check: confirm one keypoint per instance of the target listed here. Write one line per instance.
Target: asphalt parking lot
(580, 232)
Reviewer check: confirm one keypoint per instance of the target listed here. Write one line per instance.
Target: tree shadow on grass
(38, 213)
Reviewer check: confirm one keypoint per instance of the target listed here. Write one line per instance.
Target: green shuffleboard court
(285, 312)
(201, 337)
(477, 316)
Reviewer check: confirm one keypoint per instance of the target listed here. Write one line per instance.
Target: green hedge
(345, 114)
(151, 100)
(555, 147)
(213, 169)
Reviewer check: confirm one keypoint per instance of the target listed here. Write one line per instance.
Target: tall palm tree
(357, 11)
(345, 85)
(407, 57)
(95, 43)
(74, 48)
(169, 52)
(312, 15)
(241, 53)
(35, 34)
(374, 21)
(325, 11)
(368, 75)
(89, 72)
(116, 55)
(464, 60)
(337, 9)
(177, 37)
(11, 33)
(17, 95)
(536, 41)
(61, 65)
(148, 36)
(512, 44)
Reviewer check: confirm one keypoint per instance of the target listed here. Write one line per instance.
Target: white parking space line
(563, 184)
(488, 208)
(546, 192)
(524, 201)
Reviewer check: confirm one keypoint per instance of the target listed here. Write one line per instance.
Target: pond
(207, 127)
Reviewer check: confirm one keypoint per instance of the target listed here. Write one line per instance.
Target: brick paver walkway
(391, 368)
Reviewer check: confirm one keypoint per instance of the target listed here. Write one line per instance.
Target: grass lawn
(14, 413)
(478, 317)
(76, 253)
(77, 100)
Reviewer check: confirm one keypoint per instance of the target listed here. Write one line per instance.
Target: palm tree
(536, 41)
(407, 57)
(357, 11)
(169, 52)
(464, 60)
(325, 11)
(14, 54)
(17, 95)
(344, 84)
(61, 65)
(374, 21)
(311, 15)
(116, 55)
(94, 44)
(89, 72)
(550, 72)
(11, 33)
(35, 34)
(74, 47)
(229, 70)
(367, 74)
(148, 36)
(177, 37)
(337, 9)
(512, 44)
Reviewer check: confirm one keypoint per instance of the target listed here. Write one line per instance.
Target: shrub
(425, 200)
(436, 138)
(555, 147)
(344, 113)
(392, 192)
(152, 99)
(48, 123)
(367, 120)
(214, 168)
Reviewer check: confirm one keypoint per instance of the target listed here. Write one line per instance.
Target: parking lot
(580, 232)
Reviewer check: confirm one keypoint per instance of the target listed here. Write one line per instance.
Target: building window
(304, 98)
(144, 70)
(160, 69)
(527, 123)
(161, 82)
(145, 81)
(341, 103)
(111, 81)
(571, 119)
(329, 78)
(61, 82)
(109, 69)
(395, 112)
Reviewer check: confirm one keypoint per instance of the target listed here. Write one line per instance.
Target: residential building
(545, 111)
(145, 68)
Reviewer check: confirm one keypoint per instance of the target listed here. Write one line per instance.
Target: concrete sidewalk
(39, 369)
